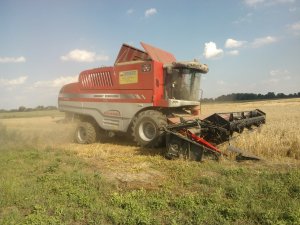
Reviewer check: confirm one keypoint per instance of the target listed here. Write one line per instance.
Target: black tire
(86, 133)
(146, 128)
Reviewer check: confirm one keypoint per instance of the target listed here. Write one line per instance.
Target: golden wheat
(279, 138)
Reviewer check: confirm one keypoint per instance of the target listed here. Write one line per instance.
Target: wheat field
(278, 139)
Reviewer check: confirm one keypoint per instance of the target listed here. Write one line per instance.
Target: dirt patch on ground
(126, 165)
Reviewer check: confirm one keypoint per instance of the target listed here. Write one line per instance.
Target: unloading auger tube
(210, 132)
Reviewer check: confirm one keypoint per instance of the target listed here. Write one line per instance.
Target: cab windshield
(183, 84)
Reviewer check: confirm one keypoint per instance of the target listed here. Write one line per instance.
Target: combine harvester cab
(147, 94)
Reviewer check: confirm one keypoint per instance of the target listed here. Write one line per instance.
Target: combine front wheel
(86, 133)
(145, 129)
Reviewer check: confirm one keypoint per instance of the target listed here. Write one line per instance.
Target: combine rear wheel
(86, 133)
(145, 128)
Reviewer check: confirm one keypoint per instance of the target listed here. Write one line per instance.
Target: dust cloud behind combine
(39, 131)
(118, 159)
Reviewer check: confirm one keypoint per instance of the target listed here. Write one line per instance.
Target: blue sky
(249, 45)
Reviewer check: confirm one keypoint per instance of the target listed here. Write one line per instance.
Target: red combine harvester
(154, 98)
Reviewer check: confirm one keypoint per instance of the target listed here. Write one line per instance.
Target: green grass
(54, 186)
(52, 113)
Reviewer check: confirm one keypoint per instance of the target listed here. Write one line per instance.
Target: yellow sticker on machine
(128, 77)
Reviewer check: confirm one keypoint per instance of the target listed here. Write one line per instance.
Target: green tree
(22, 109)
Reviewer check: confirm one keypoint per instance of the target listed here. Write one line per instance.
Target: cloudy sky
(249, 45)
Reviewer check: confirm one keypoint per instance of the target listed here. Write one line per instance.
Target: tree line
(250, 96)
(222, 98)
(25, 109)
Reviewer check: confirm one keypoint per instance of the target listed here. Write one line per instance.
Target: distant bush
(25, 109)
(250, 96)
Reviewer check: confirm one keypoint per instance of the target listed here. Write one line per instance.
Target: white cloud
(244, 19)
(211, 51)
(79, 55)
(272, 80)
(58, 82)
(278, 75)
(280, 1)
(294, 28)
(253, 3)
(256, 3)
(231, 43)
(259, 42)
(12, 59)
(221, 82)
(233, 52)
(274, 72)
(129, 11)
(150, 12)
(283, 74)
(64, 80)
(13, 82)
